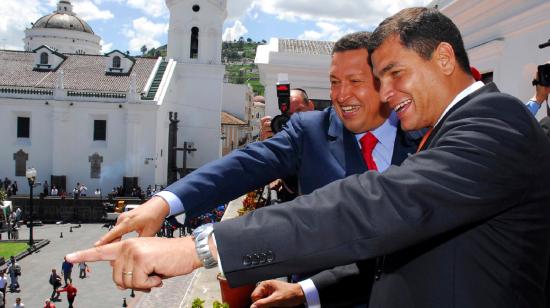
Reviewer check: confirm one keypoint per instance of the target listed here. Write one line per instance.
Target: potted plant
(197, 303)
(217, 304)
(235, 297)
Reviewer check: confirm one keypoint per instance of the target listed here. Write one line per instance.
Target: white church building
(102, 119)
(77, 115)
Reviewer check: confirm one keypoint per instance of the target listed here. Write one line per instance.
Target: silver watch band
(201, 236)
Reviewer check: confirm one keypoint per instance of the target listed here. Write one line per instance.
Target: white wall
(309, 72)
(503, 37)
(64, 41)
(235, 99)
(61, 140)
(195, 93)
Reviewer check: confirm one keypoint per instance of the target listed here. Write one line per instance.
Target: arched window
(194, 43)
(44, 58)
(116, 61)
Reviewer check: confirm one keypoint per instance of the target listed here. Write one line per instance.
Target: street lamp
(31, 177)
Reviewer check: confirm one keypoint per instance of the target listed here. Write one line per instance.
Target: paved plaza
(97, 290)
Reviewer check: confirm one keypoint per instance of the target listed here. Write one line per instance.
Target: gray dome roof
(63, 21)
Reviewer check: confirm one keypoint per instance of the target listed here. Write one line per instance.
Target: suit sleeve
(345, 286)
(241, 171)
(462, 179)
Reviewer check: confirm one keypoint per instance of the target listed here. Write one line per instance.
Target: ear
(444, 57)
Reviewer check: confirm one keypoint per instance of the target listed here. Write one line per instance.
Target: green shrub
(217, 304)
(197, 303)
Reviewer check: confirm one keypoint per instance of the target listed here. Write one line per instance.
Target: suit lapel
(343, 146)
(405, 145)
(354, 158)
(488, 88)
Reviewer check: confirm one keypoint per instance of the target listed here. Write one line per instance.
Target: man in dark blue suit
(319, 147)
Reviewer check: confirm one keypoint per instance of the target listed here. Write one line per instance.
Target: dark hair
(422, 30)
(304, 94)
(352, 41)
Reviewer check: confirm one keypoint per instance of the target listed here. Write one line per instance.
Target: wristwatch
(201, 236)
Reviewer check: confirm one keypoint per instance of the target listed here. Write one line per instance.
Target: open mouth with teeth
(402, 106)
(349, 109)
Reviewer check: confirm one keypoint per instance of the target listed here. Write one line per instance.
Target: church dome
(63, 18)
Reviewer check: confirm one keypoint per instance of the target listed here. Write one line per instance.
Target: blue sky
(130, 24)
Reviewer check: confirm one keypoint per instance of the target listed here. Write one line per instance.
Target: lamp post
(31, 177)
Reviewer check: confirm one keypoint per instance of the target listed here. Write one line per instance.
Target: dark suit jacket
(464, 223)
(317, 148)
(545, 124)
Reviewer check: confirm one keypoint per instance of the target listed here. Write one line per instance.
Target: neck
(455, 84)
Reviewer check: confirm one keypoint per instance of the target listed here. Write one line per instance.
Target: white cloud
(105, 47)
(365, 12)
(13, 22)
(328, 32)
(87, 10)
(234, 32)
(155, 8)
(144, 32)
(99, 2)
(237, 8)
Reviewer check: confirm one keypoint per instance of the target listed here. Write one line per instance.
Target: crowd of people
(170, 225)
(9, 186)
(55, 280)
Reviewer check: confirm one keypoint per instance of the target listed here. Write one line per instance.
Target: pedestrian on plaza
(14, 270)
(54, 191)
(8, 226)
(14, 188)
(83, 268)
(18, 216)
(48, 304)
(55, 282)
(46, 188)
(3, 284)
(18, 303)
(14, 230)
(67, 269)
(82, 189)
(71, 292)
(7, 183)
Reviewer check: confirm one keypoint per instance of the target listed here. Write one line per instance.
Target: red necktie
(424, 138)
(368, 142)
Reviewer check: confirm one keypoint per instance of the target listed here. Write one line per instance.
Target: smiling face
(413, 87)
(353, 93)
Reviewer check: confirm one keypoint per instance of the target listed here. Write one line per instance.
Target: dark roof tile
(305, 46)
(81, 72)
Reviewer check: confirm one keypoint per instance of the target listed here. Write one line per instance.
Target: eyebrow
(387, 68)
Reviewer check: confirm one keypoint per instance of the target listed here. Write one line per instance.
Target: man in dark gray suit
(463, 223)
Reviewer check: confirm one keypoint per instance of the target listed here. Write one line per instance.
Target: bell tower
(196, 86)
(195, 31)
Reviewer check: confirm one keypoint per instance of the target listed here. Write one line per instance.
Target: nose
(341, 93)
(386, 90)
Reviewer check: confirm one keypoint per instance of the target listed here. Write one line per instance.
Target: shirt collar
(385, 133)
(469, 90)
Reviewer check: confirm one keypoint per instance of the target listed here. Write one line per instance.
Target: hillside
(238, 58)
